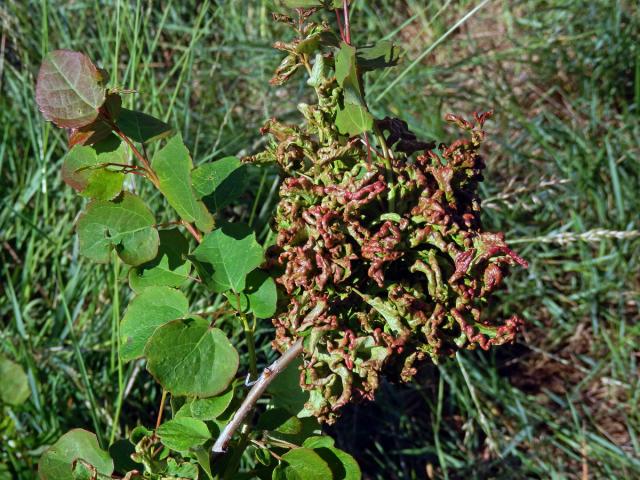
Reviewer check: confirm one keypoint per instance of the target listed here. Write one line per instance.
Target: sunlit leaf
(213, 407)
(353, 120)
(261, 293)
(125, 224)
(183, 433)
(348, 77)
(187, 357)
(84, 169)
(169, 268)
(70, 89)
(153, 307)
(173, 165)
(231, 252)
(56, 463)
(15, 387)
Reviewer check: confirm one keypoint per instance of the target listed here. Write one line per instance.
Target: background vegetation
(562, 181)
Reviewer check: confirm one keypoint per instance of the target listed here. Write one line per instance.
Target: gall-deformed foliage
(380, 251)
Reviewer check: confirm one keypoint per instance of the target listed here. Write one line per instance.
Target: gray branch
(267, 376)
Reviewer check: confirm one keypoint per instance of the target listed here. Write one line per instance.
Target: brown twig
(268, 375)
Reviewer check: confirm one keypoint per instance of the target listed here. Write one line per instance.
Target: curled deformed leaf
(125, 224)
(70, 89)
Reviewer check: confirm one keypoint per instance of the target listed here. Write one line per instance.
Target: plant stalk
(268, 375)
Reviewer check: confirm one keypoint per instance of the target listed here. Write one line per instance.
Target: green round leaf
(56, 462)
(125, 224)
(84, 169)
(69, 89)
(183, 433)
(154, 306)
(187, 357)
(231, 251)
(15, 387)
(302, 464)
(170, 267)
(172, 163)
(213, 407)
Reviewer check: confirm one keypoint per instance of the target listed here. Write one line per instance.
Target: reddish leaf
(70, 89)
(97, 130)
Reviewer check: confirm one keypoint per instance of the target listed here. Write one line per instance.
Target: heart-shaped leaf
(85, 169)
(170, 267)
(70, 89)
(57, 462)
(173, 166)
(183, 433)
(153, 307)
(125, 224)
(141, 127)
(219, 183)
(187, 357)
(231, 251)
(15, 387)
(353, 120)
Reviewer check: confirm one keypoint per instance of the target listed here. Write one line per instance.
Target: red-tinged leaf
(70, 89)
(97, 130)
